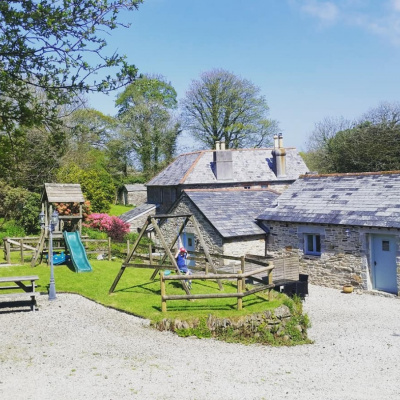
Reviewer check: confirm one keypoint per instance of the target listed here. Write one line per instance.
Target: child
(181, 256)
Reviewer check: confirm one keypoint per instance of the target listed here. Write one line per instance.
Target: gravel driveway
(75, 349)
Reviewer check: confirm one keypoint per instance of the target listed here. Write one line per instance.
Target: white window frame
(314, 251)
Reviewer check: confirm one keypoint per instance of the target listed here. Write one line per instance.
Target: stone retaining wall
(248, 326)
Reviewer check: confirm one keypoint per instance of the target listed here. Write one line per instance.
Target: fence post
(109, 249)
(239, 290)
(21, 242)
(162, 285)
(270, 283)
(7, 250)
(128, 245)
(242, 267)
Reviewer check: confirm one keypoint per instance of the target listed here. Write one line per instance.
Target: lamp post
(53, 223)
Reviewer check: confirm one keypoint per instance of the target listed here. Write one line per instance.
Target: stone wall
(136, 198)
(242, 245)
(212, 239)
(343, 254)
(137, 224)
(270, 327)
(215, 243)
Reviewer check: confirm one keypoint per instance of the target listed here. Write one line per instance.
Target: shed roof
(249, 165)
(232, 212)
(136, 187)
(137, 212)
(364, 199)
(63, 193)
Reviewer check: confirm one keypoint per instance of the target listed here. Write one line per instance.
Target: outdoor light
(51, 227)
(41, 219)
(54, 220)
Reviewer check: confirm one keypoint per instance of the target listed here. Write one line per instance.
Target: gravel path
(75, 349)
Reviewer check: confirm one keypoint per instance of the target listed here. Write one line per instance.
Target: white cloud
(325, 11)
(379, 18)
(396, 5)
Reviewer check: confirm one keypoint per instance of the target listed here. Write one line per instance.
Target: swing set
(155, 221)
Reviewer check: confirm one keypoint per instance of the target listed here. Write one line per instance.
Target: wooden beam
(205, 249)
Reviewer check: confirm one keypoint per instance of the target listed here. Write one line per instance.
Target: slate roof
(249, 165)
(365, 199)
(137, 211)
(136, 187)
(232, 212)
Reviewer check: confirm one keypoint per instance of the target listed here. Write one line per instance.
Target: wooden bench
(28, 289)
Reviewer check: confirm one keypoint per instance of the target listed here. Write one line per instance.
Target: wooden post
(8, 251)
(21, 241)
(205, 249)
(109, 249)
(128, 243)
(242, 267)
(162, 285)
(81, 218)
(270, 283)
(239, 290)
(151, 254)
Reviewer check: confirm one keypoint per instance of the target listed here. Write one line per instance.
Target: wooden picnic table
(24, 286)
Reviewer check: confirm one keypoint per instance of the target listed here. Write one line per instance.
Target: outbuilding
(345, 229)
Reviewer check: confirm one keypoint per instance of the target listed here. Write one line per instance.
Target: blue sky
(311, 58)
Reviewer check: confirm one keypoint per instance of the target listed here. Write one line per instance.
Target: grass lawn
(137, 294)
(118, 209)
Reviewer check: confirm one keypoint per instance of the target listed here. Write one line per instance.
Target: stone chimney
(279, 156)
(223, 166)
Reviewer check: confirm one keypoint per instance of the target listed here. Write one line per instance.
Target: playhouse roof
(63, 193)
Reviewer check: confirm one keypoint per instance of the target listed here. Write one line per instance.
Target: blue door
(384, 263)
(190, 246)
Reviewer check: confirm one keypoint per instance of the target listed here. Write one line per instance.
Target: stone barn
(345, 229)
(226, 217)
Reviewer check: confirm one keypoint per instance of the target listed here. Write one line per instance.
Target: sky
(312, 59)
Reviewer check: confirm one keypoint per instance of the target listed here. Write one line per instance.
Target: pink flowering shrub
(115, 228)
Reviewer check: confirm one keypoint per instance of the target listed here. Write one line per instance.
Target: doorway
(383, 260)
(189, 244)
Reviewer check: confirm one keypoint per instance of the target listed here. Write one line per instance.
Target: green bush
(11, 229)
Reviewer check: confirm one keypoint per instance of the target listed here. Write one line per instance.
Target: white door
(384, 263)
(189, 245)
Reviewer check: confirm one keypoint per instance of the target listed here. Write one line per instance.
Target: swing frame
(155, 221)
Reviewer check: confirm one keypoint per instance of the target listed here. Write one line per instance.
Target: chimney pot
(222, 145)
(275, 141)
(280, 141)
(217, 147)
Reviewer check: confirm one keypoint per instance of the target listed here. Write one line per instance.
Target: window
(312, 244)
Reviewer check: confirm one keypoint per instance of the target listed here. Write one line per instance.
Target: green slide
(77, 252)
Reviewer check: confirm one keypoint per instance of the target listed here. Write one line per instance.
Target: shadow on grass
(143, 286)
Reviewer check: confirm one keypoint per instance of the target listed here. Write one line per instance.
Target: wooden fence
(26, 246)
(239, 277)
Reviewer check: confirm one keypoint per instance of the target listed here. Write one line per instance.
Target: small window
(312, 245)
(385, 245)
(190, 242)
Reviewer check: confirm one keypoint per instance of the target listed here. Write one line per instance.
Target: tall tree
(149, 131)
(50, 51)
(369, 144)
(56, 46)
(223, 107)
